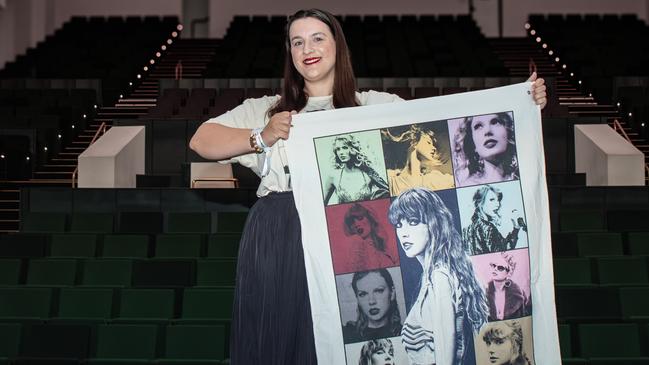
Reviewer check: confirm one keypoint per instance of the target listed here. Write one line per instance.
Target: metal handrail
(617, 126)
(102, 129)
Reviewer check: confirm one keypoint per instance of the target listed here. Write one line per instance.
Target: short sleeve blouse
(252, 113)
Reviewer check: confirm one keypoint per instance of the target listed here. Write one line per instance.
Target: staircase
(518, 54)
(192, 54)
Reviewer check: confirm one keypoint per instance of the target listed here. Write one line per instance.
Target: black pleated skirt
(271, 321)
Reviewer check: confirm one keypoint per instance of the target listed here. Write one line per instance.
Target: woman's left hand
(538, 90)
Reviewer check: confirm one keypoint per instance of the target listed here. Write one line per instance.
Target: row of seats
(205, 102)
(134, 222)
(587, 244)
(82, 245)
(602, 271)
(600, 220)
(604, 344)
(155, 272)
(379, 46)
(69, 343)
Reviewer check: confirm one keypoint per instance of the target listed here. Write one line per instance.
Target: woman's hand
(278, 127)
(538, 90)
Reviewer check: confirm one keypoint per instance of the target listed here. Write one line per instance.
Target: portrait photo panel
(376, 309)
(484, 149)
(505, 274)
(351, 167)
(493, 217)
(505, 342)
(380, 351)
(418, 155)
(411, 269)
(361, 237)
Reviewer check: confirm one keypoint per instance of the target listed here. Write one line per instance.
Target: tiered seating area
(130, 275)
(387, 46)
(146, 275)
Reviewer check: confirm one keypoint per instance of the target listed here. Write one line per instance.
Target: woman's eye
(413, 222)
(297, 43)
(477, 126)
(398, 225)
(362, 294)
(380, 352)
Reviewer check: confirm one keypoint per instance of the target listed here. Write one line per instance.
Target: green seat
(55, 272)
(565, 340)
(635, 302)
(155, 305)
(73, 245)
(10, 271)
(194, 342)
(599, 244)
(25, 303)
(572, 271)
(126, 245)
(10, 334)
(223, 245)
(107, 272)
(231, 221)
(202, 305)
(609, 340)
(92, 223)
(43, 222)
(178, 245)
(127, 343)
(622, 270)
(638, 243)
(571, 220)
(216, 272)
(183, 222)
(85, 304)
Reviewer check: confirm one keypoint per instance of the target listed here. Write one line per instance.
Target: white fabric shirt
(252, 113)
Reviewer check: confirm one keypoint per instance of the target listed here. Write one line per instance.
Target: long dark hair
(293, 96)
(425, 206)
(475, 164)
(357, 211)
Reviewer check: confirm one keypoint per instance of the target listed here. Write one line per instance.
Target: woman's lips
(490, 143)
(406, 245)
(374, 311)
(311, 60)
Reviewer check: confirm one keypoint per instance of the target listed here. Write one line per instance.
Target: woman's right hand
(278, 127)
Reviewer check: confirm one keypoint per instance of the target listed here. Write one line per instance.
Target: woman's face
(383, 357)
(491, 204)
(425, 148)
(489, 136)
(361, 225)
(342, 151)
(501, 349)
(499, 268)
(413, 236)
(313, 49)
(374, 296)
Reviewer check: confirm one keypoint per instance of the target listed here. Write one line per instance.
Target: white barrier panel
(114, 160)
(606, 157)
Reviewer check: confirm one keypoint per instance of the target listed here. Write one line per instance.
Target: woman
(272, 315)
(485, 150)
(353, 178)
(421, 167)
(504, 342)
(482, 235)
(370, 252)
(377, 312)
(377, 352)
(505, 298)
(450, 307)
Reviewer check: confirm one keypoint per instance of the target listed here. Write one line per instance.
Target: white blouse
(252, 113)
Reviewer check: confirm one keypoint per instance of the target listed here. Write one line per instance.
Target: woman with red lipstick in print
(271, 321)
(377, 312)
(485, 150)
(370, 251)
